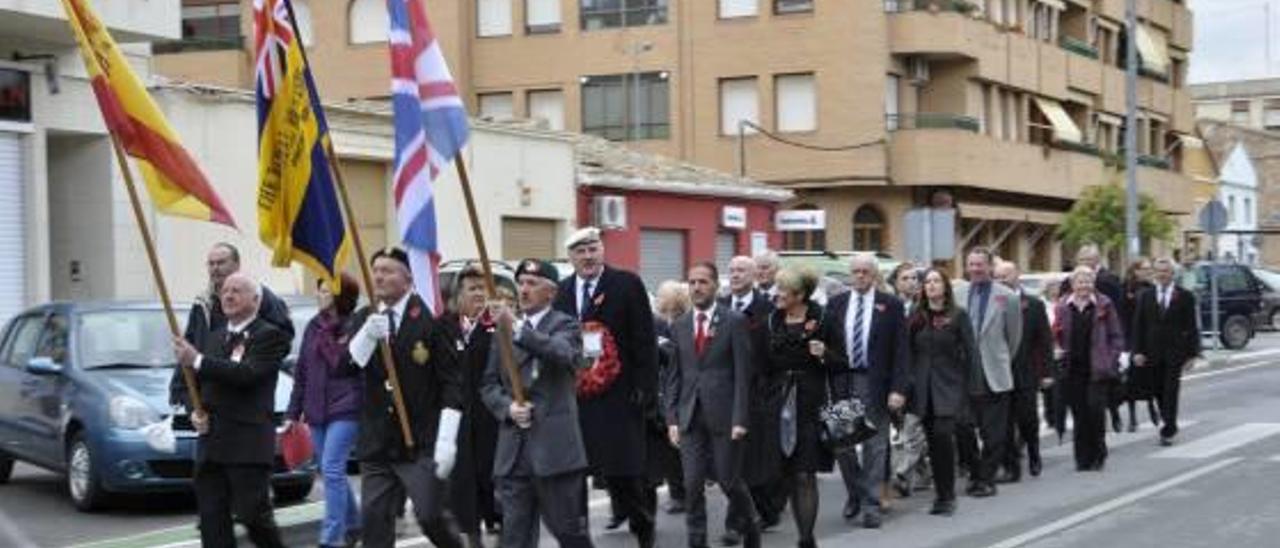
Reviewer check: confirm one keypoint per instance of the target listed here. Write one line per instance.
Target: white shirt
(397, 311)
(743, 302)
(1165, 295)
(868, 300)
(534, 320)
(710, 313)
(578, 282)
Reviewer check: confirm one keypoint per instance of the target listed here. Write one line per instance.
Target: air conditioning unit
(918, 69)
(609, 211)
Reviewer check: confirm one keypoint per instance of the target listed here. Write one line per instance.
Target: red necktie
(700, 333)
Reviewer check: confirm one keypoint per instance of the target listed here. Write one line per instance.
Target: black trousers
(1088, 403)
(634, 498)
(1169, 377)
(560, 500)
(990, 419)
(941, 432)
(242, 491)
(1024, 429)
(383, 490)
(710, 455)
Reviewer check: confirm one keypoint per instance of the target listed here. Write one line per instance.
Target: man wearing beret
(432, 385)
(615, 421)
(540, 464)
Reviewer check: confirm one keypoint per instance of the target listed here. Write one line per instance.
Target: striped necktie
(857, 357)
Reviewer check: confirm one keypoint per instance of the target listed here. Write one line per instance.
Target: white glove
(446, 442)
(375, 329)
(160, 435)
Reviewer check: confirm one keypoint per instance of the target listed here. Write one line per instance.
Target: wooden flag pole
(388, 361)
(505, 351)
(188, 375)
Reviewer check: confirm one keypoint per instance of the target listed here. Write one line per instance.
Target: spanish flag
(173, 179)
(298, 212)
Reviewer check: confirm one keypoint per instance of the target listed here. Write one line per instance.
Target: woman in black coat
(944, 357)
(1139, 382)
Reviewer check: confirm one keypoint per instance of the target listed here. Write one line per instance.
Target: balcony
(932, 120)
(949, 157)
(958, 6)
(199, 44)
(1078, 46)
(126, 20)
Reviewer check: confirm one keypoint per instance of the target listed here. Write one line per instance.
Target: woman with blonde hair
(670, 302)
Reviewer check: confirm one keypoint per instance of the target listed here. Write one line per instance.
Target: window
(805, 240)
(367, 22)
(21, 344)
(493, 18)
(1271, 114)
(53, 344)
(302, 12)
(625, 107)
(891, 84)
(792, 6)
(738, 8)
(1248, 211)
(211, 21)
(541, 16)
(608, 14)
(868, 229)
(1231, 209)
(497, 106)
(1240, 113)
(797, 108)
(548, 107)
(739, 101)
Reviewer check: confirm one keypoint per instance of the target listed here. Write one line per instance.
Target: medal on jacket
(420, 353)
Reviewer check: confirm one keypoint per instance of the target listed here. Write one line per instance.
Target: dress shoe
(984, 490)
(675, 506)
(943, 507)
(1034, 466)
(730, 538)
(1166, 441)
(851, 509)
(1010, 476)
(871, 519)
(615, 522)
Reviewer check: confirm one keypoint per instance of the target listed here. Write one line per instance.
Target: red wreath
(595, 380)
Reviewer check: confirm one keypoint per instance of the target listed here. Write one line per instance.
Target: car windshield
(112, 338)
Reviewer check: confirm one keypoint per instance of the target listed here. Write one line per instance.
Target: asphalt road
(1213, 488)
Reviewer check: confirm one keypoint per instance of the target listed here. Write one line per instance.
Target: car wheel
(6, 468)
(84, 483)
(1236, 333)
(289, 493)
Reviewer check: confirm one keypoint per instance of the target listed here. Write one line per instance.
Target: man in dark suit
(875, 340)
(615, 422)
(1031, 372)
(207, 316)
(540, 463)
(707, 402)
(1167, 338)
(432, 383)
(237, 370)
(762, 463)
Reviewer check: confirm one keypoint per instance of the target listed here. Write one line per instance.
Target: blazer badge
(420, 353)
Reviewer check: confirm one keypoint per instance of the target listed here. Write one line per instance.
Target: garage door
(661, 256)
(726, 249)
(13, 267)
(528, 238)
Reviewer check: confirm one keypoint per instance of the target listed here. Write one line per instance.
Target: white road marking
(1225, 370)
(1112, 505)
(1221, 442)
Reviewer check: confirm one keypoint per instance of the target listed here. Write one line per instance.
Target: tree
(1098, 217)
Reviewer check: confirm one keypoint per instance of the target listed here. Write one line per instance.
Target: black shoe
(972, 488)
(730, 538)
(1115, 423)
(807, 544)
(851, 509)
(615, 522)
(1013, 475)
(675, 506)
(1166, 441)
(871, 519)
(984, 490)
(1034, 466)
(943, 507)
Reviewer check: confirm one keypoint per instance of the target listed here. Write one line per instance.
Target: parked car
(1034, 282)
(504, 275)
(1269, 316)
(1239, 300)
(833, 264)
(80, 381)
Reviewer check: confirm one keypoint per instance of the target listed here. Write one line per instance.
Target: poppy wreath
(595, 380)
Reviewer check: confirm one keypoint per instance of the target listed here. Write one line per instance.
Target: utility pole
(1131, 239)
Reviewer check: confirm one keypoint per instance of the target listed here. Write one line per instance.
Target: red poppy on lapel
(1002, 300)
(941, 321)
(880, 307)
(415, 312)
(599, 300)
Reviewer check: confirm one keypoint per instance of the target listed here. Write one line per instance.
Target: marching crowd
(901, 384)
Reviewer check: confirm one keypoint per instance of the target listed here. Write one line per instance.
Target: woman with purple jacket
(327, 399)
(1090, 339)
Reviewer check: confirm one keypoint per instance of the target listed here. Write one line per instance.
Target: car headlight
(131, 413)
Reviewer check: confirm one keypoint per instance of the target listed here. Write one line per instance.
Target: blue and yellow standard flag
(299, 217)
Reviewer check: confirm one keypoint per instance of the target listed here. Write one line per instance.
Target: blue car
(80, 381)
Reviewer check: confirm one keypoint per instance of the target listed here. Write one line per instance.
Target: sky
(1231, 40)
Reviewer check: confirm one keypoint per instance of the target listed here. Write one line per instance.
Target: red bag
(295, 445)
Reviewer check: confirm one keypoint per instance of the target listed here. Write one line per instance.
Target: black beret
(540, 268)
(394, 253)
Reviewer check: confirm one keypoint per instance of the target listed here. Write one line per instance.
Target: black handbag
(844, 423)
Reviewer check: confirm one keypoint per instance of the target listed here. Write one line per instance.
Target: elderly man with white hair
(236, 369)
(767, 265)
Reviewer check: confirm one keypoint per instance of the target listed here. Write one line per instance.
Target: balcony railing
(1078, 46)
(1083, 148)
(902, 6)
(207, 43)
(931, 120)
(1158, 162)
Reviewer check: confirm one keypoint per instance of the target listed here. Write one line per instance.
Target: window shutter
(797, 103)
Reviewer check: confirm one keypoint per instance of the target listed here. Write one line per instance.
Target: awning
(1109, 119)
(1055, 4)
(1190, 141)
(1153, 48)
(1108, 25)
(1064, 128)
(1006, 213)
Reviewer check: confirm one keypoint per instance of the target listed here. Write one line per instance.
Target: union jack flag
(431, 128)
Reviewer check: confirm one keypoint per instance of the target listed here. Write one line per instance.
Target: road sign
(1213, 217)
(930, 234)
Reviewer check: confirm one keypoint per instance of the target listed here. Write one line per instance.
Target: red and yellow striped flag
(174, 181)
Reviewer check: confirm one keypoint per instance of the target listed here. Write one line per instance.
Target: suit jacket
(717, 381)
(238, 389)
(944, 357)
(1106, 340)
(615, 422)
(430, 377)
(887, 350)
(206, 317)
(1033, 362)
(757, 314)
(548, 357)
(1167, 337)
(998, 336)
